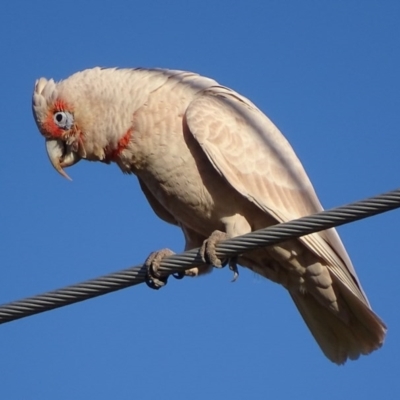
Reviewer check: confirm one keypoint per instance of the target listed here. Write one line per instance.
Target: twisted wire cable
(180, 262)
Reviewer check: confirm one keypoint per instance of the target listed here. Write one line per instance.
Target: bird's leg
(208, 253)
(154, 279)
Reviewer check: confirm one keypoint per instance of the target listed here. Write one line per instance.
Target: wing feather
(247, 149)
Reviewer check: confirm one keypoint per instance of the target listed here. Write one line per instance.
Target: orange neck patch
(113, 154)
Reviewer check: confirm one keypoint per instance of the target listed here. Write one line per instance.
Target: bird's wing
(248, 150)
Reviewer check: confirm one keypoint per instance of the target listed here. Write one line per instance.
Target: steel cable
(179, 262)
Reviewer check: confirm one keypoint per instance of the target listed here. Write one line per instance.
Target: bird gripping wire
(180, 262)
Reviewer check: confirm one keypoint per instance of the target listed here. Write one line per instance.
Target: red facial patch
(112, 154)
(49, 127)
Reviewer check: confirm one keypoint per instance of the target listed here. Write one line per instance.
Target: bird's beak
(61, 155)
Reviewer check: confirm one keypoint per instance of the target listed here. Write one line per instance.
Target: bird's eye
(63, 119)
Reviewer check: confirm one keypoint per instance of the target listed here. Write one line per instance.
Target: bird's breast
(170, 162)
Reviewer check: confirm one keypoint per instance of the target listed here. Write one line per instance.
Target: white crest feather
(44, 94)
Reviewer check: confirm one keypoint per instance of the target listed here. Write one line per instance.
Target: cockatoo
(209, 161)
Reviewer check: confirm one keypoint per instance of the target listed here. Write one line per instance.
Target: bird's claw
(233, 267)
(178, 275)
(209, 256)
(208, 249)
(154, 279)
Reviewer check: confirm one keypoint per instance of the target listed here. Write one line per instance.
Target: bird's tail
(361, 332)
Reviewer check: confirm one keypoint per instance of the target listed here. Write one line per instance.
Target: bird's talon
(224, 263)
(154, 279)
(155, 283)
(235, 276)
(178, 275)
(221, 264)
(209, 256)
(207, 250)
(233, 267)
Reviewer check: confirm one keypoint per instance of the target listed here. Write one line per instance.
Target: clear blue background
(327, 73)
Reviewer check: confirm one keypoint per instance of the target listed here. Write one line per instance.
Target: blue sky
(327, 73)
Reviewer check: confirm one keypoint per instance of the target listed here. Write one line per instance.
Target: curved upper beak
(61, 155)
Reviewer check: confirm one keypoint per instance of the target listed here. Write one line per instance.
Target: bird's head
(57, 122)
(86, 116)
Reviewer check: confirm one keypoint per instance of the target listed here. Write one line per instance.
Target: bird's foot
(154, 279)
(209, 256)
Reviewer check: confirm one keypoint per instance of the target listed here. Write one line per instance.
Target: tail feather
(362, 333)
(340, 319)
